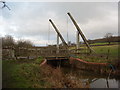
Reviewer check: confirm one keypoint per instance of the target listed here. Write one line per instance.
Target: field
(103, 54)
(112, 50)
(104, 43)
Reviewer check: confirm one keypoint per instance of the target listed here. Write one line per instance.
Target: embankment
(101, 68)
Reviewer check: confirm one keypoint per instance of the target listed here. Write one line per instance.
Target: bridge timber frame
(59, 34)
(58, 55)
(80, 32)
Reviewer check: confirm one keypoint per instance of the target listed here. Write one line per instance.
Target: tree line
(107, 38)
(9, 41)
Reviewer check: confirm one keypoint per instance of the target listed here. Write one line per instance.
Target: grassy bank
(20, 73)
(29, 74)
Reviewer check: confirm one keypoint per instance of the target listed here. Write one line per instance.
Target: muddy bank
(58, 79)
(101, 68)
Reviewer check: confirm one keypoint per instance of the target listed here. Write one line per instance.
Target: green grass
(39, 60)
(112, 50)
(18, 73)
(95, 59)
(99, 43)
(105, 54)
(104, 43)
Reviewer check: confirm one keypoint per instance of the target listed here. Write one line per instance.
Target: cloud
(98, 27)
(29, 20)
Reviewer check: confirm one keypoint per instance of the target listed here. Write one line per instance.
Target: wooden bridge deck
(57, 58)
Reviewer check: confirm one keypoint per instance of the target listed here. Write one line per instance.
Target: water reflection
(102, 83)
(118, 83)
(95, 80)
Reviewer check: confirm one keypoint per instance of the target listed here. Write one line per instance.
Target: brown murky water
(95, 80)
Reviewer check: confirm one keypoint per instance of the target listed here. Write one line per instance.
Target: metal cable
(48, 33)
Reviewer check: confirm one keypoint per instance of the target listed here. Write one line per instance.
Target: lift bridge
(58, 52)
(64, 52)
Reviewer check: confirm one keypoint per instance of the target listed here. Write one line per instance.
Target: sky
(29, 20)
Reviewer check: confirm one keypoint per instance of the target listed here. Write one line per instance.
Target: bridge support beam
(77, 40)
(61, 37)
(80, 32)
(57, 43)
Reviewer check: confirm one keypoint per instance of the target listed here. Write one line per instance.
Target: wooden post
(36, 53)
(1, 49)
(77, 40)
(13, 53)
(57, 43)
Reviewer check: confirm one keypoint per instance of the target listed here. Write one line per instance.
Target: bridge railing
(33, 52)
(80, 51)
(61, 52)
(21, 52)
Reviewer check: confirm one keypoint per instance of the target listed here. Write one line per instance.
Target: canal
(94, 80)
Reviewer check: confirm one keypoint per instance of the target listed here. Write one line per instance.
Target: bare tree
(108, 37)
(24, 43)
(8, 41)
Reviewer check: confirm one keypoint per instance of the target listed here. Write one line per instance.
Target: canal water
(90, 78)
(95, 80)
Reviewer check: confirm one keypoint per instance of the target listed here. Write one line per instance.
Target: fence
(30, 53)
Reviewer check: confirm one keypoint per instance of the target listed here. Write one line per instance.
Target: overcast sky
(29, 20)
